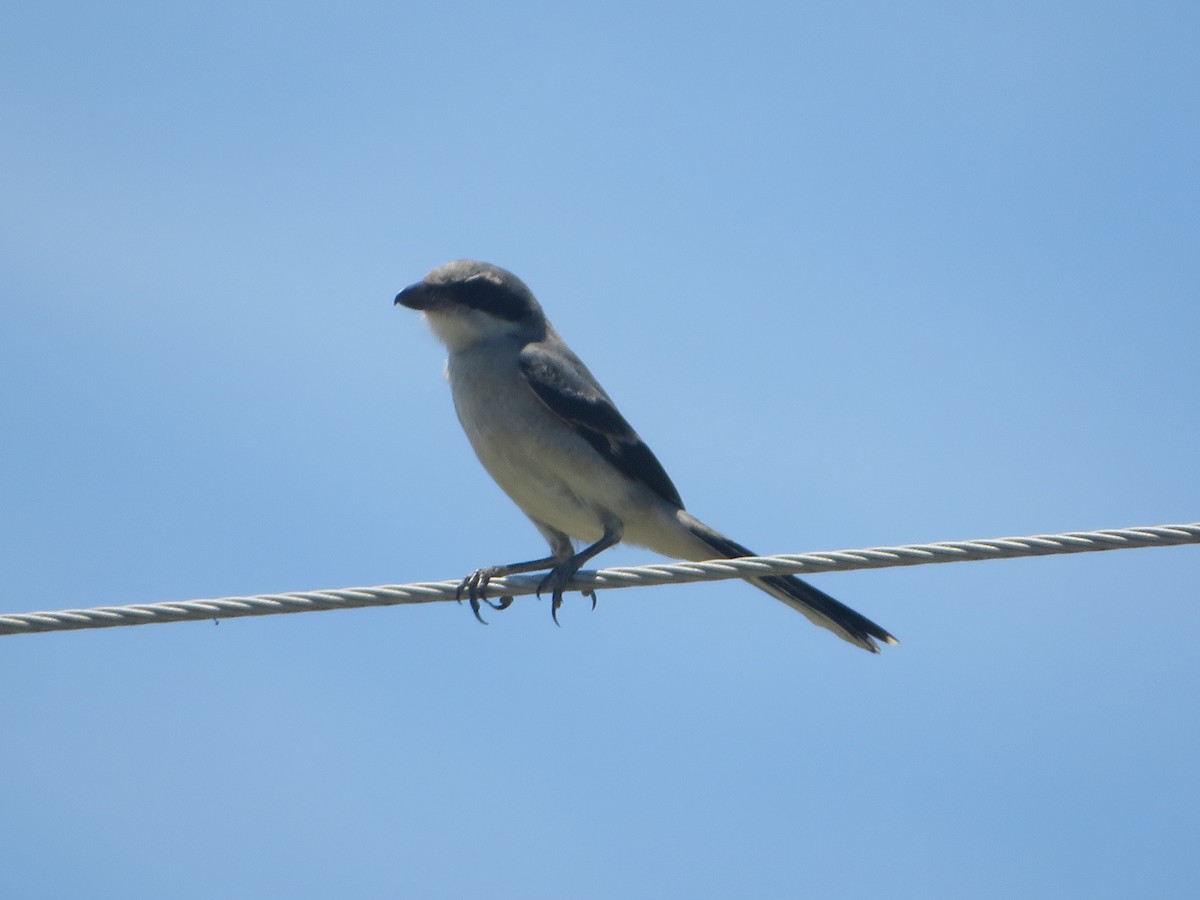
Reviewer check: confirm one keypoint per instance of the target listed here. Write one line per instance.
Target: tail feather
(817, 606)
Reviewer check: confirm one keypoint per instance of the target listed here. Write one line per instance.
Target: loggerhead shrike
(553, 440)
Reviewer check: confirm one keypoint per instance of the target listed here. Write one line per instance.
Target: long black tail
(819, 607)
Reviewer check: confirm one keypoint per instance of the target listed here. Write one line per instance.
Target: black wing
(572, 395)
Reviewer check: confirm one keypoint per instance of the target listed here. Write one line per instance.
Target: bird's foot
(556, 580)
(475, 587)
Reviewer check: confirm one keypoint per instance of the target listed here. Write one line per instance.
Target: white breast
(551, 473)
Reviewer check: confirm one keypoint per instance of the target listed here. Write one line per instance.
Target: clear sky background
(860, 273)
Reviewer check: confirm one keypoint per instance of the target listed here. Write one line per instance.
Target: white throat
(459, 328)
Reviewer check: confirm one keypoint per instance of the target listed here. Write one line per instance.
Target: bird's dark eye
(495, 299)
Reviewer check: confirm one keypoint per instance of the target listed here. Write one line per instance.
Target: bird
(556, 444)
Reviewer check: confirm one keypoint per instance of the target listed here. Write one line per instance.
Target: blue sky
(860, 273)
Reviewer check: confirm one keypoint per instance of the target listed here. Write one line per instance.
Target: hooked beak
(416, 296)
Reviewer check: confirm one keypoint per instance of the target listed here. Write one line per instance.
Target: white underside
(552, 474)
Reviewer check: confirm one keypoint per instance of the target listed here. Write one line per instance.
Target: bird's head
(467, 301)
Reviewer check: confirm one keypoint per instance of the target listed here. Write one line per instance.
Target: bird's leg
(558, 577)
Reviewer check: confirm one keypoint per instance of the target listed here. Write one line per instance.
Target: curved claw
(475, 609)
(467, 586)
(554, 579)
(475, 585)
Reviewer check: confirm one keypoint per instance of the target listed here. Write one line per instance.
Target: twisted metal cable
(635, 576)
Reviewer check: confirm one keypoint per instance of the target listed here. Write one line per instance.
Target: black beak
(415, 296)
